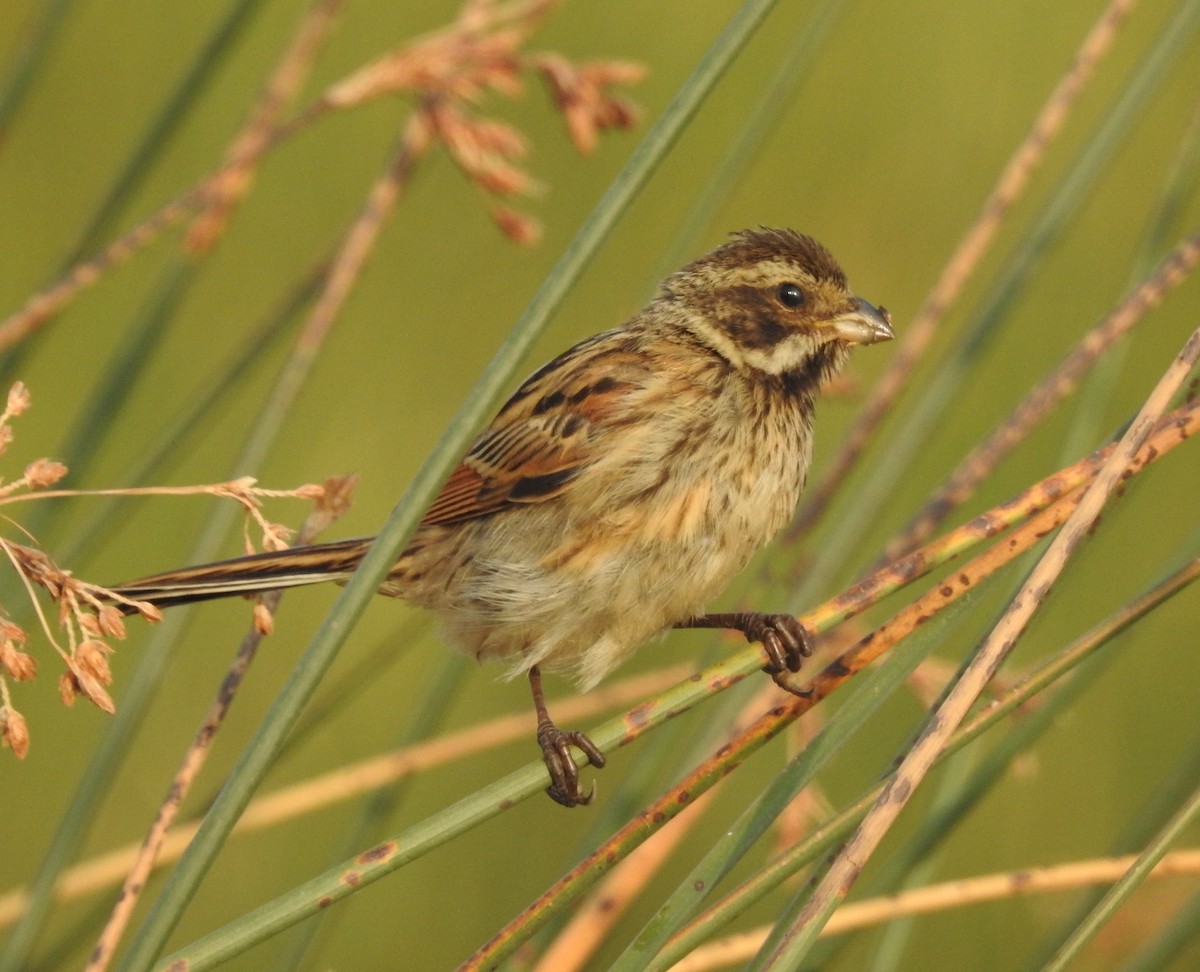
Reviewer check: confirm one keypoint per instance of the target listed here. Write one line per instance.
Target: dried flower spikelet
(17, 663)
(147, 610)
(337, 493)
(264, 620)
(494, 63)
(68, 688)
(518, 227)
(609, 73)
(473, 15)
(489, 71)
(12, 632)
(504, 140)
(14, 733)
(241, 490)
(618, 113)
(580, 127)
(68, 610)
(18, 399)
(498, 177)
(582, 96)
(311, 491)
(276, 536)
(112, 624)
(92, 657)
(471, 147)
(80, 681)
(334, 500)
(44, 472)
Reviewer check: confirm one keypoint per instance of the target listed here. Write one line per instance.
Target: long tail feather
(255, 574)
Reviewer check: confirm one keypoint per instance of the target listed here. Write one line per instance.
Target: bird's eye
(790, 295)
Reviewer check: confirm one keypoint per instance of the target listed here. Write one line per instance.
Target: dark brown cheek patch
(756, 333)
(750, 320)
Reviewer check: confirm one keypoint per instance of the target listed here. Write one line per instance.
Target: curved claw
(575, 799)
(787, 643)
(556, 745)
(780, 678)
(784, 639)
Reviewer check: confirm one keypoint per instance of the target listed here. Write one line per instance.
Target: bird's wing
(546, 434)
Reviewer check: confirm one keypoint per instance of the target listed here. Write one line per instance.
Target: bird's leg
(556, 745)
(785, 640)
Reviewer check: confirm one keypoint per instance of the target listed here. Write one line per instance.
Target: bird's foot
(785, 640)
(556, 746)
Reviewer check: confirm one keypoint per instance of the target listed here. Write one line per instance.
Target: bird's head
(775, 302)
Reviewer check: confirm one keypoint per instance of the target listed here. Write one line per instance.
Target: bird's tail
(255, 574)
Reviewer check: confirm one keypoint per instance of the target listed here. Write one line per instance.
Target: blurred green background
(885, 152)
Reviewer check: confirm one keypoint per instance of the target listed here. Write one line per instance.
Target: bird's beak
(865, 324)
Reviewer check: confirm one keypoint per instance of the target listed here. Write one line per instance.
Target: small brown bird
(622, 486)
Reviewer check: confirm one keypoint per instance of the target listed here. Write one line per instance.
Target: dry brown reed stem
(194, 758)
(244, 491)
(741, 948)
(43, 305)
(1172, 430)
(966, 257)
(477, 53)
(83, 617)
(812, 804)
(348, 782)
(219, 190)
(85, 656)
(1009, 884)
(1021, 694)
(1056, 497)
(343, 272)
(451, 70)
(90, 615)
(591, 923)
(1000, 641)
(434, 60)
(348, 262)
(1044, 396)
(652, 818)
(964, 580)
(232, 181)
(334, 502)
